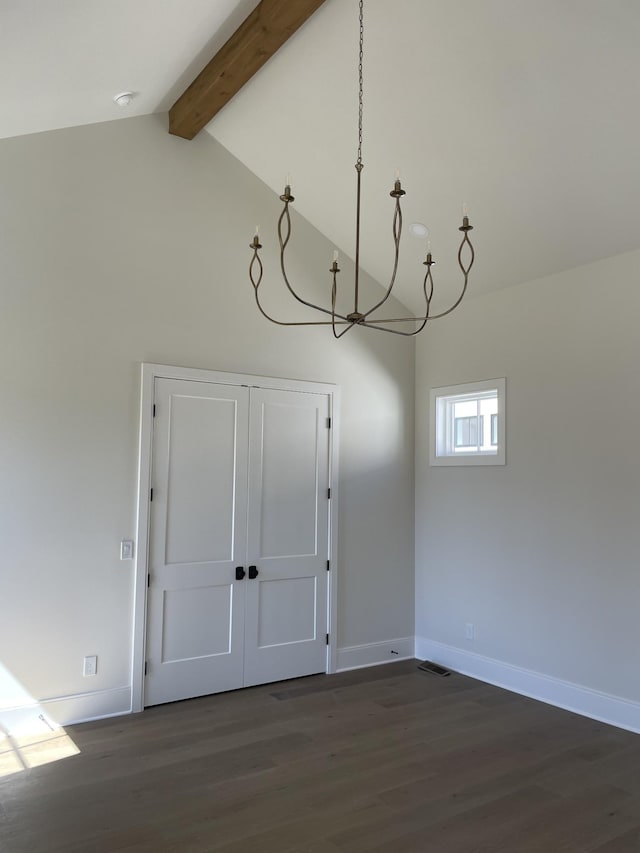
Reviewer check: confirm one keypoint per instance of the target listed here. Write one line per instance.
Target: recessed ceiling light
(418, 229)
(124, 98)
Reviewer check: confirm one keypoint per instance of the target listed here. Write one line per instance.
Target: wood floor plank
(380, 759)
(458, 833)
(576, 824)
(628, 842)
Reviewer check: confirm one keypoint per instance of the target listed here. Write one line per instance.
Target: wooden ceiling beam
(255, 41)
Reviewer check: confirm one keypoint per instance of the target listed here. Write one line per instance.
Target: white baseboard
(372, 654)
(613, 710)
(67, 710)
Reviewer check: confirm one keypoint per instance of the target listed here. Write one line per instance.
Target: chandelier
(342, 323)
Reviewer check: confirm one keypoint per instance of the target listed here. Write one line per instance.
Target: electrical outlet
(126, 549)
(470, 631)
(90, 665)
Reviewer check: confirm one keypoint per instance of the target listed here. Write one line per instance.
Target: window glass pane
(466, 432)
(489, 405)
(465, 409)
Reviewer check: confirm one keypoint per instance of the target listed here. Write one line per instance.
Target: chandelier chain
(360, 106)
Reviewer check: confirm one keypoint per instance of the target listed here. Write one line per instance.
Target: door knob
(240, 573)
(253, 572)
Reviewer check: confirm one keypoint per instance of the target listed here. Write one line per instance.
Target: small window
(468, 424)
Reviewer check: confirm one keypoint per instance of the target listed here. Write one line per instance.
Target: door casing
(149, 373)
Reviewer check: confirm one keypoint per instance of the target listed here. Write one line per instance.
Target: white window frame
(441, 430)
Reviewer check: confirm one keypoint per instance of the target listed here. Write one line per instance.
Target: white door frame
(150, 372)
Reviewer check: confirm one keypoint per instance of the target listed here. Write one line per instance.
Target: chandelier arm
(411, 319)
(345, 330)
(397, 233)
(465, 272)
(375, 325)
(334, 293)
(422, 320)
(338, 335)
(300, 323)
(428, 277)
(427, 284)
(455, 304)
(256, 257)
(283, 245)
(256, 284)
(428, 281)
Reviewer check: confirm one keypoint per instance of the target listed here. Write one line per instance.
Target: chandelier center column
(356, 315)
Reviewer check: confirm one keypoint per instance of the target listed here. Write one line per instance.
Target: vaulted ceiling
(526, 111)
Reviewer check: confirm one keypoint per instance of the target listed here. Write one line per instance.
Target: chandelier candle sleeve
(428, 262)
(341, 323)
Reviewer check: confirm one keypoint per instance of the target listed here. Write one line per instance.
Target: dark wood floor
(388, 759)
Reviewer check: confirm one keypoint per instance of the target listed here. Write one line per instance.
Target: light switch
(126, 549)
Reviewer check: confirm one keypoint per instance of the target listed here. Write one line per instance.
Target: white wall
(121, 244)
(540, 555)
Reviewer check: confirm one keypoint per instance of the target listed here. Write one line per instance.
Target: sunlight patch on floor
(28, 736)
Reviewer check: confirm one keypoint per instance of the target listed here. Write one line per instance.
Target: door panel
(288, 503)
(195, 610)
(201, 479)
(207, 612)
(297, 598)
(286, 604)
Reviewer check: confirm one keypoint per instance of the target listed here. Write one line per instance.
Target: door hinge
(329, 494)
(154, 410)
(151, 495)
(328, 423)
(148, 580)
(146, 667)
(328, 564)
(327, 639)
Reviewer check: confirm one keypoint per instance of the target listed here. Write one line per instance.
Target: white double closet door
(238, 546)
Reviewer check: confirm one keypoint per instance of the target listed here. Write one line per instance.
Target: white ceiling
(526, 111)
(62, 61)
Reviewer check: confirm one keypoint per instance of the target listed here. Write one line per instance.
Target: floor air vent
(430, 666)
